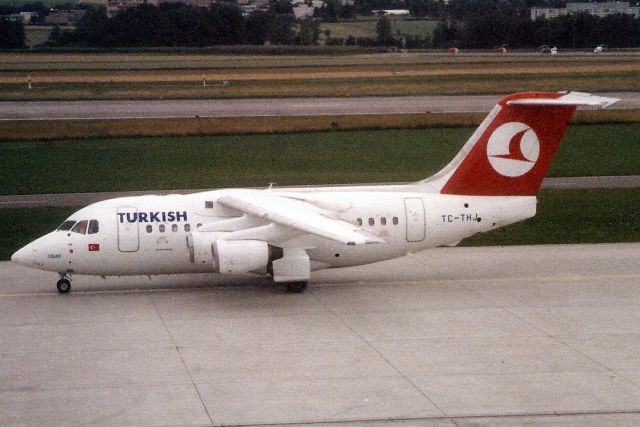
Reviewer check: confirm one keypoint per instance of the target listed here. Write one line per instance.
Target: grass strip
(63, 129)
(193, 71)
(333, 87)
(564, 216)
(573, 216)
(201, 60)
(15, 130)
(222, 161)
(121, 164)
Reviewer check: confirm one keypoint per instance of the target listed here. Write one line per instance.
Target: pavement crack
(184, 364)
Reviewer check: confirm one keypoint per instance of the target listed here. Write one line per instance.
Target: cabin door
(414, 210)
(128, 235)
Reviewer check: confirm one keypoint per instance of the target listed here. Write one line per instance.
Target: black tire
(296, 287)
(64, 286)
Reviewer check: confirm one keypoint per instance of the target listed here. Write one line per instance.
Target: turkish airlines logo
(513, 149)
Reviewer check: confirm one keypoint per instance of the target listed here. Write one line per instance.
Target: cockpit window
(80, 227)
(66, 225)
(94, 226)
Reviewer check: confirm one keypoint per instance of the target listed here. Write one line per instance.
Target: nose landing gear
(64, 284)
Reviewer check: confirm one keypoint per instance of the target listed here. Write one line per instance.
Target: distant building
(302, 11)
(249, 6)
(14, 17)
(596, 9)
(26, 17)
(114, 6)
(200, 3)
(64, 17)
(261, 4)
(247, 9)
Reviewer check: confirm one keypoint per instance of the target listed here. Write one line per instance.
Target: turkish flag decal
(94, 247)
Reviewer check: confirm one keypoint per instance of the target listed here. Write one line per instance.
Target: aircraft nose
(24, 256)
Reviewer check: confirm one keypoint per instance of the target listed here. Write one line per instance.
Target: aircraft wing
(297, 214)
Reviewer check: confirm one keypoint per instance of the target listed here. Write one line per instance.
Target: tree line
(11, 34)
(487, 23)
(39, 8)
(467, 24)
(176, 24)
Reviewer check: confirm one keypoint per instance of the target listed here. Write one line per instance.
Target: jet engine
(200, 244)
(240, 256)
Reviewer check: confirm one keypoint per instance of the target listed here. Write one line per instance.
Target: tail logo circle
(513, 149)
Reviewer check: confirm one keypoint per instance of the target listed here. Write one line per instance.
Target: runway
(89, 110)
(453, 336)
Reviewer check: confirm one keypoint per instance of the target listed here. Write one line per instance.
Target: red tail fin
(510, 152)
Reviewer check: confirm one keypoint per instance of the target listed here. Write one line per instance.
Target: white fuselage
(151, 235)
(290, 232)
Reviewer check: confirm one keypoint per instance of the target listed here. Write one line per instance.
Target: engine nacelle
(240, 256)
(200, 246)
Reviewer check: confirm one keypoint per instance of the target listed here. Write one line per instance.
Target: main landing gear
(64, 284)
(296, 287)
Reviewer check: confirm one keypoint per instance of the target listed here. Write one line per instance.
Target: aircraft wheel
(64, 286)
(296, 287)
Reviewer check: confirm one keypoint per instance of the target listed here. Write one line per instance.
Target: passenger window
(208, 204)
(383, 220)
(359, 220)
(371, 221)
(395, 220)
(161, 228)
(80, 227)
(149, 228)
(187, 228)
(67, 225)
(199, 225)
(94, 226)
(174, 227)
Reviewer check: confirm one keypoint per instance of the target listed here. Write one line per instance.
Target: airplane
(500, 48)
(287, 233)
(545, 48)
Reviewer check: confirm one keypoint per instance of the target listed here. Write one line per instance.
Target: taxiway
(83, 199)
(451, 336)
(90, 110)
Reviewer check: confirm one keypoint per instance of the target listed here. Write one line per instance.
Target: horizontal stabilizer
(577, 99)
